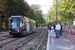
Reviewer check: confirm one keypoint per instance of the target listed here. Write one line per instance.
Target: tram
(21, 25)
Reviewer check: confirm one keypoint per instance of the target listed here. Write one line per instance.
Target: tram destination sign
(15, 18)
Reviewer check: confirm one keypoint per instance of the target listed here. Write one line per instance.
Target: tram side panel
(34, 25)
(28, 25)
(31, 29)
(24, 27)
(21, 27)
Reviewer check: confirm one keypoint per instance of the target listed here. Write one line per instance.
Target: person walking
(54, 27)
(49, 28)
(57, 28)
(60, 30)
(52, 33)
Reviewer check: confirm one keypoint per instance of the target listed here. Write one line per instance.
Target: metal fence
(69, 32)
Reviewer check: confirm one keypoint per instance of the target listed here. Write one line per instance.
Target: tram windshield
(14, 23)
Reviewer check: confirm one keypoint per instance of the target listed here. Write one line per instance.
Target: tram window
(14, 23)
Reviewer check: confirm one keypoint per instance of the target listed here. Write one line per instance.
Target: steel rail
(25, 42)
(41, 41)
(8, 42)
(3, 35)
(4, 39)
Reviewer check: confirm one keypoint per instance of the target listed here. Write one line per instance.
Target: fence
(69, 33)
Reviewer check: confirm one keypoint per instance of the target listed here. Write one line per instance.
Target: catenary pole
(50, 17)
(56, 10)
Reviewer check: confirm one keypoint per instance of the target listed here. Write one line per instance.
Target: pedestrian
(60, 30)
(49, 28)
(54, 27)
(57, 28)
(52, 33)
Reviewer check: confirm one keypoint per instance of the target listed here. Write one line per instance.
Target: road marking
(48, 41)
(52, 40)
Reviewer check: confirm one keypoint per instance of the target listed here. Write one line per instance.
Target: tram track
(20, 42)
(31, 43)
(8, 41)
(5, 37)
(39, 46)
(4, 34)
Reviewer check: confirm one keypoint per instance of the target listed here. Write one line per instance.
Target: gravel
(33, 44)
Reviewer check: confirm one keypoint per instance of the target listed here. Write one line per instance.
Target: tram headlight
(17, 30)
(9, 31)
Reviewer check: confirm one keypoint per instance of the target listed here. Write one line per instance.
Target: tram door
(21, 26)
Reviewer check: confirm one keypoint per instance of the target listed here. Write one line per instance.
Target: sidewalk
(60, 43)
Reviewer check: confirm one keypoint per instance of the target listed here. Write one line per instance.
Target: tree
(17, 7)
(3, 12)
(66, 9)
(38, 13)
(3, 5)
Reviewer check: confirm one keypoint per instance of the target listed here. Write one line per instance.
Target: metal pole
(56, 11)
(72, 19)
(50, 17)
(0, 22)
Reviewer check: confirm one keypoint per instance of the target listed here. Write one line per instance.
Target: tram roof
(31, 19)
(22, 16)
(16, 16)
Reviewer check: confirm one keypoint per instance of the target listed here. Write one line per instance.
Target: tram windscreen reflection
(15, 23)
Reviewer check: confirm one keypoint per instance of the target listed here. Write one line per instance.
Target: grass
(40, 37)
(73, 26)
(40, 48)
(30, 48)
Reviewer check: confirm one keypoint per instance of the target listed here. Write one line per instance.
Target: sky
(45, 4)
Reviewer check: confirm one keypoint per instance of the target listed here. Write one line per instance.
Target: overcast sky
(45, 9)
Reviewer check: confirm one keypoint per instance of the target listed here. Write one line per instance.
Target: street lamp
(0, 22)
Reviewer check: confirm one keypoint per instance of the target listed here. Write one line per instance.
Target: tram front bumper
(15, 33)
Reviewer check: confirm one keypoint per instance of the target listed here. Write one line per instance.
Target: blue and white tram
(21, 25)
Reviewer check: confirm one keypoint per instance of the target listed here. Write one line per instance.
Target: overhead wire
(29, 1)
(37, 2)
(41, 5)
(46, 5)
